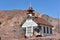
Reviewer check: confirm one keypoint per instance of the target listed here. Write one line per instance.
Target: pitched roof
(42, 21)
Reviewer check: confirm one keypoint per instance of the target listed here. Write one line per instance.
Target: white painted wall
(45, 34)
(29, 22)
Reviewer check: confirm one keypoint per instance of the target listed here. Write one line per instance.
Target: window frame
(50, 30)
(44, 29)
(29, 32)
(47, 30)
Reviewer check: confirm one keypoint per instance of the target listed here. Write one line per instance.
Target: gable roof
(39, 21)
(42, 21)
(29, 22)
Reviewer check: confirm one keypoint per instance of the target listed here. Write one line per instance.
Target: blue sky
(49, 7)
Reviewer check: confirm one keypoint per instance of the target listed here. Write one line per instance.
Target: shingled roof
(42, 21)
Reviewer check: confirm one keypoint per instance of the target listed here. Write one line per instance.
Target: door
(29, 31)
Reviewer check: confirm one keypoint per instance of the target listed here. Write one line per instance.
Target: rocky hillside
(10, 21)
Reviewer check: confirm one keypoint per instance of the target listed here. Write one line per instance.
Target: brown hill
(10, 21)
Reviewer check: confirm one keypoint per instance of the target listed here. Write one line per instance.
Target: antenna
(30, 4)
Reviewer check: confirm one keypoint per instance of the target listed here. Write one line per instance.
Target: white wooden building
(35, 26)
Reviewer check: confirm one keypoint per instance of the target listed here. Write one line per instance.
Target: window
(50, 30)
(28, 30)
(44, 30)
(47, 30)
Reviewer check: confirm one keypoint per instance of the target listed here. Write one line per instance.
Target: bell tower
(30, 11)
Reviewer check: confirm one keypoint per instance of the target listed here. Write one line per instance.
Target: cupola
(30, 12)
